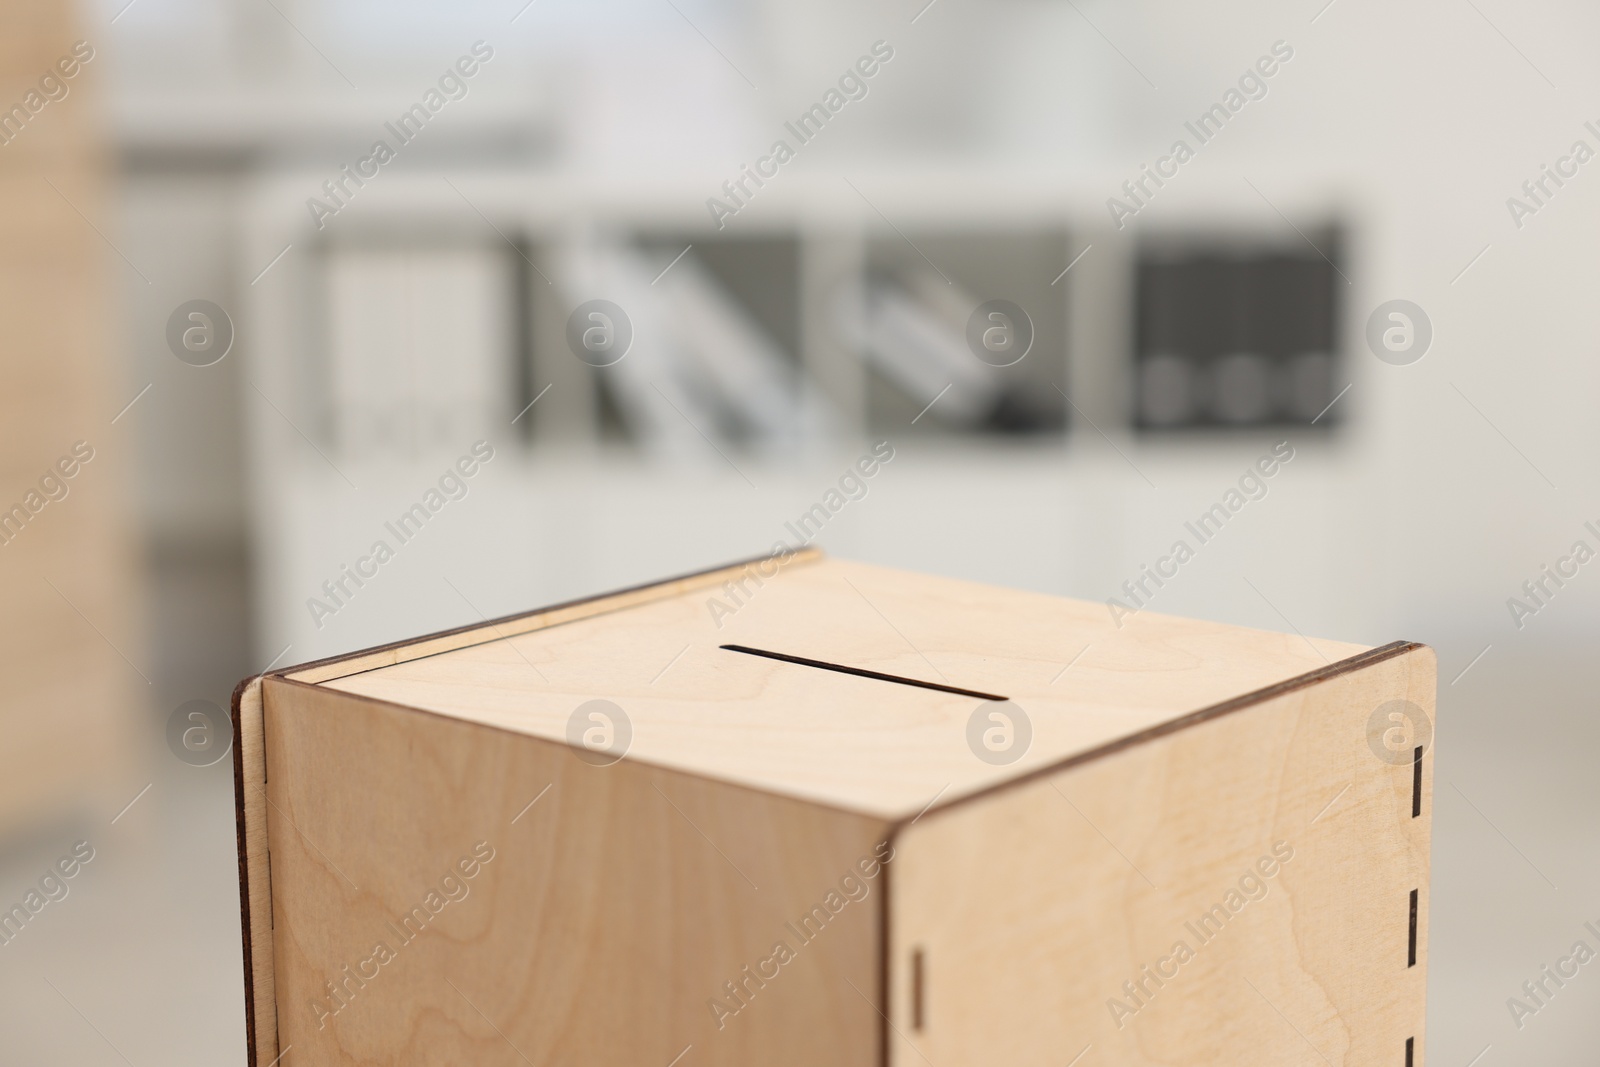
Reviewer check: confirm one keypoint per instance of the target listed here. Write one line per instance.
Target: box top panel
(1074, 681)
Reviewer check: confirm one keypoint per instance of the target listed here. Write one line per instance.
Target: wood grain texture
(251, 803)
(854, 743)
(1031, 906)
(620, 903)
(611, 913)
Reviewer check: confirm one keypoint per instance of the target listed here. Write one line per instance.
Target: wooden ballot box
(807, 811)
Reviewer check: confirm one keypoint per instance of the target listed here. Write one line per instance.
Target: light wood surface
(861, 744)
(612, 912)
(1168, 758)
(68, 698)
(255, 881)
(1032, 905)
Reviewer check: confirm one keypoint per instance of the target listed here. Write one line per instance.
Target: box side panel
(1238, 892)
(449, 893)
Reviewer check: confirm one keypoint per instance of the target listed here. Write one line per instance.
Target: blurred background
(242, 342)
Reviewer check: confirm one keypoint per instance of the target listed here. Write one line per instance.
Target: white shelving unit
(568, 506)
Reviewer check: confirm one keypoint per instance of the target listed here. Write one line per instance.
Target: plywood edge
(1360, 661)
(255, 874)
(370, 659)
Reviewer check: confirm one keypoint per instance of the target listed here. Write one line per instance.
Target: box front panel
(1237, 892)
(449, 893)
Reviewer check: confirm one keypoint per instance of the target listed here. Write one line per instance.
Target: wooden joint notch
(918, 985)
(1416, 782)
(1411, 951)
